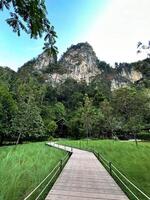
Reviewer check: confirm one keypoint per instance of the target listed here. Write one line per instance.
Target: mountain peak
(81, 62)
(81, 45)
(79, 48)
(44, 60)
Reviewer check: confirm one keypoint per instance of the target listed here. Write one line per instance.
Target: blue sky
(71, 18)
(112, 27)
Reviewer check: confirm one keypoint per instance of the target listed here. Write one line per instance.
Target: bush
(144, 135)
(51, 138)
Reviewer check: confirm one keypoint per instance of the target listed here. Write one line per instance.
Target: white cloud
(115, 34)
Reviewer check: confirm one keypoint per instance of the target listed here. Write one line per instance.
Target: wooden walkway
(84, 178)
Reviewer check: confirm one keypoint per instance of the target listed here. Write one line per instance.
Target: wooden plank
(84, 178)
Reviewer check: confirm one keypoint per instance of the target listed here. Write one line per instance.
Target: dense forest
(34, 109)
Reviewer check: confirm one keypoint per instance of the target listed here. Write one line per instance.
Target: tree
(51, 127)
(75, 124)
(29, 89)
(27, 121)
(110, 121)
(53, 116)
(91, 118)
(30, 16)
(132, 106)
(87, 116)
(71, 93)
(7, 110)
(134, 125)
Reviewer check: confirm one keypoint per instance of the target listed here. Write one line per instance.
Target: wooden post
(98, 155)
(61, 162)
(110, 168)
(68, 154)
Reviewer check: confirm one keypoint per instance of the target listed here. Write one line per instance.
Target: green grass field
(23, 168)
(132, 161)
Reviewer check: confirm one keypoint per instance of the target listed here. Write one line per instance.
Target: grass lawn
(132, 161)
(23, 168)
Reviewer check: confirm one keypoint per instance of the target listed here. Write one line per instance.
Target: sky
(112, 27)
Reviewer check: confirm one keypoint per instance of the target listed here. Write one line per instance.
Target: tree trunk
(17, 142)
(135, 137)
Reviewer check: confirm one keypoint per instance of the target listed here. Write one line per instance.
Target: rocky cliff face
(124, 76)
(80, 63)
(133, 75)
(44, 60)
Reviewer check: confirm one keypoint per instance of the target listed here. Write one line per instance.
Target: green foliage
(86, 120)
(88, 116)
(51, 138)
(7, 76)
(7, 109)
(27, 120)
(71, 93)
(75, 125)
(102, 65)
(144, 135)
(132, 106)
(110, 122)
(143, 67)
(51, 127)
(99, 90)
(59, 110)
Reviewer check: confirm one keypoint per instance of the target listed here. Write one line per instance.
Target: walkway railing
(122, 180)
(39, 192)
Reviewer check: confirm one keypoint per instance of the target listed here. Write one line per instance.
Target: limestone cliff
(44, 60)
(80, 63)
(125, 75)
